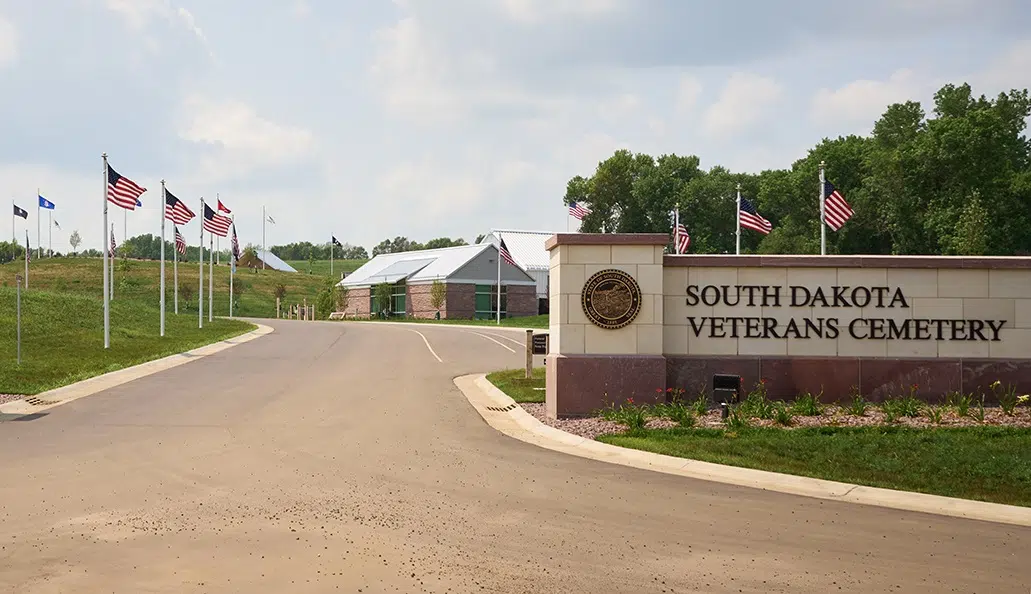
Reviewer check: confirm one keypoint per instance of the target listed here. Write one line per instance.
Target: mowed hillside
(140, 280)
(323, 267)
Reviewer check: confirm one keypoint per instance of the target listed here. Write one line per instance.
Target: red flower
(631, 400)
(762, 381)
(658, 390)
(669, 389)
(916, 386)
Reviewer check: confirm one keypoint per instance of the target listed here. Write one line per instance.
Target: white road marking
(432, 352)
(521, 343)
(501, 344)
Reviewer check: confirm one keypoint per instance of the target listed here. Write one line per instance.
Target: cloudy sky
(427, 118)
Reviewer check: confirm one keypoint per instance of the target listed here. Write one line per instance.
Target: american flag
(222, 208)
(835, 210)
(180, 242)
(683, 239)
(578, 211)
(236, 245)
(176, 210)
(122, 191)
(750, 218)
(113, 244)
(507, 255)
(216, 223)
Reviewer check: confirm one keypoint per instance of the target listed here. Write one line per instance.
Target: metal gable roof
(526, 247)
(422, 265)
(272, 261)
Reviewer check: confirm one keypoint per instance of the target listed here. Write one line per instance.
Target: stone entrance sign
(877, 324)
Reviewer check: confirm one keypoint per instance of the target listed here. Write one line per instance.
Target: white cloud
(743, 102)
(534, 11)
(1012, 69)
(243, 140)
(687, 95)
(8, 42)
(139, 14)
(301, 9)
(863, 101)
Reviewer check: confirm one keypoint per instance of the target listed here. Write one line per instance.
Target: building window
(487, 301)
(397, 299)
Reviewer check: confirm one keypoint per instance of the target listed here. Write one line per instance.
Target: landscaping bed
(961, 448)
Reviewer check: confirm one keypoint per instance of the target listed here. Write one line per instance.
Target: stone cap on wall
(606, 239)
(781, 261)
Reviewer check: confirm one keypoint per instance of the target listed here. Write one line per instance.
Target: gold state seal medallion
(611, 299)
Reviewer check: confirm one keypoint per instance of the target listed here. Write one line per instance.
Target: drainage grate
(500, 409)
(34, 401)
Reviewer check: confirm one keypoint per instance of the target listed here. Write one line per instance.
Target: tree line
(957, 182)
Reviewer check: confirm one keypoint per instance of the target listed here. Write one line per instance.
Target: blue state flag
(44, 203)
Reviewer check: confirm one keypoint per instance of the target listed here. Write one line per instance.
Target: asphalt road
(328, 457)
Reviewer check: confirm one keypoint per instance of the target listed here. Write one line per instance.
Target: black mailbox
(726, 388)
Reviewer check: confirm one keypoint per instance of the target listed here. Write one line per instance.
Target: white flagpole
(175, 275)
(823, 224)
(200, 260)
(737, 218)
(14, 237)
(164, 209)
(232, 269)
(218, 256)
(499, 279)
(211, 277)
(113, 264)
(125, 224)
(26, 259)
(107, 303)
(50, 233)
(263, 217)
(331, 250)
(39, 235)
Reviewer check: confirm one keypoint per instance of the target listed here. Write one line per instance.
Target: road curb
(65, 394)
(505, 415)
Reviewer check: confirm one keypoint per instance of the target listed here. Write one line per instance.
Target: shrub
(782, 415)
(935, 413)
(186, 292)
(904, 406)
(1007, 396)
(279, 292)
(324, 303)
(438, 294)
(701, 404)
(978, 412)
(858, 405)
(962, 403)
(808, 405)
(676, 411)
(736, 421)
(633, 416)
(756, 403)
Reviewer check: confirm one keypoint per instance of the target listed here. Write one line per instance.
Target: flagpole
(823, 225)
(262, 236)
(39, 235)
(26, 259)
(175, 275)
(113, 263)
(50, 233)
(218, 256)
(232, 270)
(499, 281)
(164, 210)
(211, 276)
(14, 236)
(107, 304)
(331, 250)
(200, 260)
(125, 224)
(737, 216)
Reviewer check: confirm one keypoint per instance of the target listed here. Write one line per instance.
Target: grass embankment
(63, 337)
(514, 383)
(322, 267)
(140, 280)
(537, 322)
(981, 463)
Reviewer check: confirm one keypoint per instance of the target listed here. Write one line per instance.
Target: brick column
(589, 367)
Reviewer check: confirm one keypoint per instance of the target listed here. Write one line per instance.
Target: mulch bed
(833, 416)
(4, 398)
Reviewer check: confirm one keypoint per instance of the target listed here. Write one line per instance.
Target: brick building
(469, 274)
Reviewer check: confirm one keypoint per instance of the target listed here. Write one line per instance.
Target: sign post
(529, 354)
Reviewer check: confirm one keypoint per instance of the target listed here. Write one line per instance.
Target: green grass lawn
(322, 267)
(540, 322)
(514, 383)
(63, 338)
(140, 280)
(982, 463)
